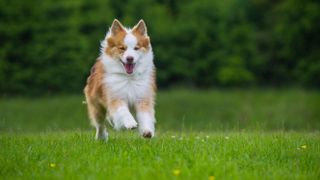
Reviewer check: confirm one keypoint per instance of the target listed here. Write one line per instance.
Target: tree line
(49, 46)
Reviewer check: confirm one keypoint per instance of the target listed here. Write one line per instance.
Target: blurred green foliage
(48, 46)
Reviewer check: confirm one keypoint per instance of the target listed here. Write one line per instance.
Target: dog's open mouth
(129, 67)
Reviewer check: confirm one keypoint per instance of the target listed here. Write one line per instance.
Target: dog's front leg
(145, 116)
(120, 115)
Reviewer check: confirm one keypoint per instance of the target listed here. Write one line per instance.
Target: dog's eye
(122, 48)
(136, 48)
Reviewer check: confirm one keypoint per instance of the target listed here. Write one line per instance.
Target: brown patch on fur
(140, 32)
(142, 40)
(145, 105)
(116, 27)
(114, 104)
(116, 44)
(95, 93)
(95, 78)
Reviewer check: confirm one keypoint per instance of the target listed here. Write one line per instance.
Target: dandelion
(176, 172)
(211, 177)
(304, 146)
(52, 165)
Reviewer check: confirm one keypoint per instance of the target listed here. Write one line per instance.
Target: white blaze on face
(130, 41)
(130, 56)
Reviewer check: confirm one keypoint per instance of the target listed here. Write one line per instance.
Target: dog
(123, 79)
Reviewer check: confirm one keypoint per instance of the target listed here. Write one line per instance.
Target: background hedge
(48, 46)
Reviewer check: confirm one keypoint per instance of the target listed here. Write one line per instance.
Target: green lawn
(74, 155)
(234, 134)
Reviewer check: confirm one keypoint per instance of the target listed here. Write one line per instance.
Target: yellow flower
(52, 165)
(176, 172)
(211, 177)
(304, 146)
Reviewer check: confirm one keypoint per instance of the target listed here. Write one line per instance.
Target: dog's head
(128, 46)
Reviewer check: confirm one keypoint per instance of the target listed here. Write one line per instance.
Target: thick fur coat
(123, 78)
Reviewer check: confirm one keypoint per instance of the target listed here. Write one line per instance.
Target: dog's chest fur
(130, 88)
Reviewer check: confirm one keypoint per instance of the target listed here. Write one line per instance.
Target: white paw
(146, 124)
(124, 119)
(129, 122)
(147, 133)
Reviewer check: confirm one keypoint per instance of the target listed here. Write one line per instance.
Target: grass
(74, 155)
(234, 134)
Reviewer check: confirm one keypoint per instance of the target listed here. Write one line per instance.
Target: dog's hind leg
(97, 118)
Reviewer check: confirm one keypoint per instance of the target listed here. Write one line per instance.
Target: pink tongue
(129, 68)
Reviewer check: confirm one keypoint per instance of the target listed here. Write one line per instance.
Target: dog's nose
(129, 59)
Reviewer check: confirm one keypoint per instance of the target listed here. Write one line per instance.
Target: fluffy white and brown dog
(123, 78)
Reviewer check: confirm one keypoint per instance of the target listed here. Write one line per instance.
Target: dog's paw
(147, 134)
(146, 124)
(129, 123)
(124, 120)
(147, 129)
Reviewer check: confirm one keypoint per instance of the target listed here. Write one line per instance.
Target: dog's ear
(140, 28)
(116, 27)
